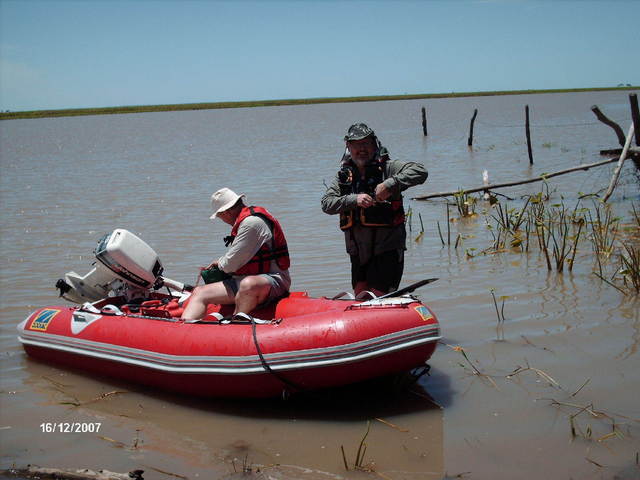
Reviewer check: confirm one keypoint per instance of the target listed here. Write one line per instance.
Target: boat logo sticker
(41, 322)
(424, 313)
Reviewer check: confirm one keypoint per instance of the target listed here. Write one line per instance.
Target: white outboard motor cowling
(126, 267)
(129, 257)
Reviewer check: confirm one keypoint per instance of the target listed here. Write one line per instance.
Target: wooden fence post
(616, 128)
(473, 119)
(424, 121)
(528, 131)
(635, 116)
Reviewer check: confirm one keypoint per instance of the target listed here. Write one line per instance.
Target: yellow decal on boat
(41, 322)
(424, 313)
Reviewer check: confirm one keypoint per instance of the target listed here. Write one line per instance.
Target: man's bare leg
(202, 296)
(252, 291)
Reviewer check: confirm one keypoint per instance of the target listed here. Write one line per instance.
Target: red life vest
(261, 261)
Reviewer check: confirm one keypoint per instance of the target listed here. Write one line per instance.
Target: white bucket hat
(222, 200)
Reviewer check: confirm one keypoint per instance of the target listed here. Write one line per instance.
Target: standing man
(257, 261)
(367, 194)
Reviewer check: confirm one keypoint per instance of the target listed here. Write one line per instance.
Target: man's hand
(364, 200)
(382, 192)
(211, 265)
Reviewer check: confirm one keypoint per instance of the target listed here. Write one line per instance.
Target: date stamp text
(70, 427)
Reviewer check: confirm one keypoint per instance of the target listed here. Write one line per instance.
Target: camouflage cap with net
(358, 131)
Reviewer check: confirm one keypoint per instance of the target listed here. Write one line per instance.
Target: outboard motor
(126, 267)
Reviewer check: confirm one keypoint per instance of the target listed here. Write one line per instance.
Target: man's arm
(404, 175)
(252, 234)
(333, 202)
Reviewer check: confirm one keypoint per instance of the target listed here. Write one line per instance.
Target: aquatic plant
(421, 234)
(448, 229)
(500, 314)
(358, 464)
(510, 219)
(557, 235)
(476, 371)
(611, 424)
(604, 230)
(636, 216)
(465, 204)
(630, 266)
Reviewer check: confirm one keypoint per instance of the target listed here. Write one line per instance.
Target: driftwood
(623, 156)
(520, 182)
(616, 128)
(62, 474)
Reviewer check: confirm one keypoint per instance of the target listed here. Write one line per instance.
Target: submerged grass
(557, 235)
(500, 314)
(358, 464)
(559, 231)
(630, 267)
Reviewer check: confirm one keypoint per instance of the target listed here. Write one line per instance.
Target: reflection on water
(67, 181)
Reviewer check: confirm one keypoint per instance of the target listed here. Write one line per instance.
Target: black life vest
(387, 214)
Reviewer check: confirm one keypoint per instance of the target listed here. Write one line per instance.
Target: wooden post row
(528, 132)
(635, 116)
(424, 121)
(473, 119)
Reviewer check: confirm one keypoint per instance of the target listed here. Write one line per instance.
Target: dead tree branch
(520, 182)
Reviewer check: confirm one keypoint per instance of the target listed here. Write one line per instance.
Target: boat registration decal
(424, 313)
(41, 322)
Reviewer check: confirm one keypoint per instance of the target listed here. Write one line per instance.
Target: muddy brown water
(64, 182)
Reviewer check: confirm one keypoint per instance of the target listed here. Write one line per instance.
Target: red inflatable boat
(298, 343)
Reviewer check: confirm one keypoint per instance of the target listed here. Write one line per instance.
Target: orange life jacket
(261, 261)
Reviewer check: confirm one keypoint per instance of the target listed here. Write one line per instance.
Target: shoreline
(72, 112)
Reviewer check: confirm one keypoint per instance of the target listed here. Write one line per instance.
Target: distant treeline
(270, 103)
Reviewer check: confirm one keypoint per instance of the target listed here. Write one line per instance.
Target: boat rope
(266, 366)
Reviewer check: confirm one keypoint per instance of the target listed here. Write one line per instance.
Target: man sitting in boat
(256, 263)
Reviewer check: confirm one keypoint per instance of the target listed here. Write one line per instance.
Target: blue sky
(94, 53)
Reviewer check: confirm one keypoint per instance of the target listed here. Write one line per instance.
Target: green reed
(630, 266)
(465, 203)
(558, 237)
(604, 229)
(358, 464)
(500, 314)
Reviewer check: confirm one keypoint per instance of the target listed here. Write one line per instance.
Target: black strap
(266, 366)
